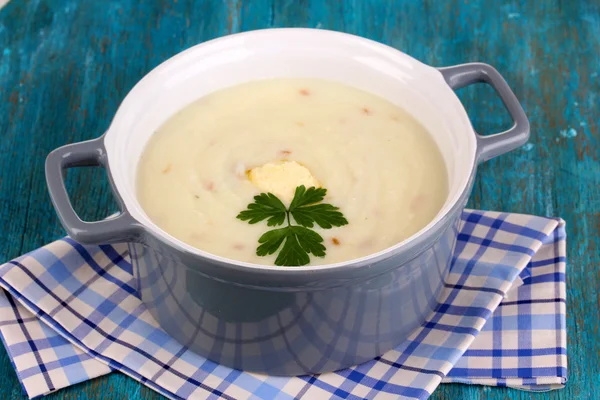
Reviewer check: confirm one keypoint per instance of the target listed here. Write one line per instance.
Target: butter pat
(282, 178)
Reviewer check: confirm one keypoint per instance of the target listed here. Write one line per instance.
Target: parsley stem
(288, 218)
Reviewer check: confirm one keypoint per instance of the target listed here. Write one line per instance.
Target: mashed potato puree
(205, 164)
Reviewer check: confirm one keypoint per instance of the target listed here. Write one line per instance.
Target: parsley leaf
(298, 240)
(306, 212)
(292, 253)
(309, 240)
(266, 205)
(271, 241)
(325, 215)
(303, 196)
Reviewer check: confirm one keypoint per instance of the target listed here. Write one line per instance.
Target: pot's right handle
(490, 146)
(120, 228)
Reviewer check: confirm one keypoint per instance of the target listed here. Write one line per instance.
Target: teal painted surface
(66, 64)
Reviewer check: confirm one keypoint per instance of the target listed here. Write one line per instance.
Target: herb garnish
(300, 240)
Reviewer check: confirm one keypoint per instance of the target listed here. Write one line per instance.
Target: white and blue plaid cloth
(69, 313)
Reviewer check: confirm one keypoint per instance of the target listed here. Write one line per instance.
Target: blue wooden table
(66, 64)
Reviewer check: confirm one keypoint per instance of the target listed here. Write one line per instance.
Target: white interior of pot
(228, 61)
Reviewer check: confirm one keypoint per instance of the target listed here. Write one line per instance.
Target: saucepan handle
(490, 146)
(120, 228)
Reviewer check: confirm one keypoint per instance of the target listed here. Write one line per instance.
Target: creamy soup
(208, 161)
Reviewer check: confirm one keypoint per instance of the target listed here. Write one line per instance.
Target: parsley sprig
(298, 240)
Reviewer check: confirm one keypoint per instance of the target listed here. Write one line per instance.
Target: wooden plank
(66, 65)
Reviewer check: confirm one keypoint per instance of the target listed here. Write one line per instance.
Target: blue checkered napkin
(70, 313)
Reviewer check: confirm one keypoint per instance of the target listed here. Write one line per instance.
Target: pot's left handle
(490, 146)
(120, 228)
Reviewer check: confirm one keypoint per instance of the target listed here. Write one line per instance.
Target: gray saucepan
(288, 321)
